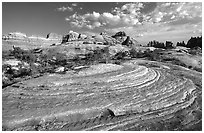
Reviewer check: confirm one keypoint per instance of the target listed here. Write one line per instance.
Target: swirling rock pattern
(138, 96)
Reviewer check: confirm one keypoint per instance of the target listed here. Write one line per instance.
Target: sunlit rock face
(54, 36)
(71, 36)
(74, 101)
(125, 39)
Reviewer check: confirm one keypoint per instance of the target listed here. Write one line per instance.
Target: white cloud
(128, 14)
(132, 7)
(168, 21)
(74, 4)
(96, 24)
(65, 8)
(175, 11)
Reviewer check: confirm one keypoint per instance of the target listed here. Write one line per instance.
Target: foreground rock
(142, 95)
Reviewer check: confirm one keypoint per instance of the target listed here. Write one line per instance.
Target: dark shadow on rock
(107, 113)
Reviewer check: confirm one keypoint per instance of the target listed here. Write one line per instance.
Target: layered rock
(108, 39)
(99, 38)
(119, 34)
(71, 36)
(14, 36)
(36, 38)
(125, 40)
(50, 38)
(134, 94)
(103, 38)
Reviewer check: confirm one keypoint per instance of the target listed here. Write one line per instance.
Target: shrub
(61, 59)
(24, 55)
(6, 54)
(6, 68)
(194, 42)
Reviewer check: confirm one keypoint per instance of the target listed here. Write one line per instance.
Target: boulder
(107, 113)
(60, 70)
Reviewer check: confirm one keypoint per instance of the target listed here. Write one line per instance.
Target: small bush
(24, 55)
(198, 69)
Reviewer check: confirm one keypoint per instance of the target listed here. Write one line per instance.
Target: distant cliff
(34, 38)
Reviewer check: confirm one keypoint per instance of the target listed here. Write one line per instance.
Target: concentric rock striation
(135, 94)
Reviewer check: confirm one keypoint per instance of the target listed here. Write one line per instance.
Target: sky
(145, 21)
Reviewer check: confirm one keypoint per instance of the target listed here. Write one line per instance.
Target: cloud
(168, 12)
(65, 9)
(169, 21)
(74, 4)
(128, 14)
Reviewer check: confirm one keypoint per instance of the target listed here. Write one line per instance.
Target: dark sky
(144, 21)
(33, 18)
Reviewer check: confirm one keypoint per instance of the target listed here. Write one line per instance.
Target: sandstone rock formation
(54, 36)
(119, 34)
(82, 36)
(143, 98)
(99, 38)
(108, 39)
(71, 36)
(125, 40)
(14, 36)
(36, 38)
